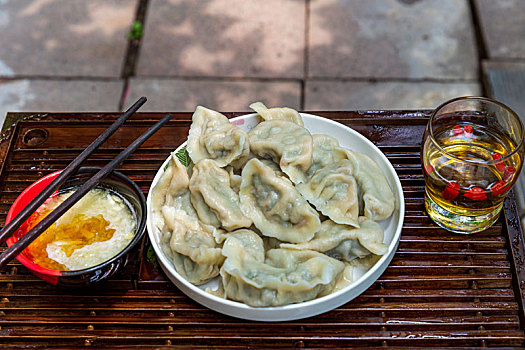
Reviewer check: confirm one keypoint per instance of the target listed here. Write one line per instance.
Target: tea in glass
(472, 154)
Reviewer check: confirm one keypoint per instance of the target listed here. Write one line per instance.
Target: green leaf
(136, 30)
(150, 254)
(183, 156)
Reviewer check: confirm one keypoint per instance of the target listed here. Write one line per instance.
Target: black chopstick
(30, 236)
(72, 167)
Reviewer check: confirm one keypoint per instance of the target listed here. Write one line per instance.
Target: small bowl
(116, 182)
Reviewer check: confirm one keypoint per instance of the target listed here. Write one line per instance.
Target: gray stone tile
(337, 95)
(392, 39)
(503, 27)
(58, 96)
(224, 38)
(184, 95)
(64, 37)
(505, 82)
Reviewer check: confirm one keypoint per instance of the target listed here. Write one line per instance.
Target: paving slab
(503, 27)
(392, 39)
(506, 83)
(180, 95)
(224, 38)
(58, 96)
(340, 95)
(64, 37)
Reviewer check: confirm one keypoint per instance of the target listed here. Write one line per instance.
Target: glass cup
(472, 152)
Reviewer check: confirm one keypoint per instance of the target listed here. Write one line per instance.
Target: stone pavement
(75, 55)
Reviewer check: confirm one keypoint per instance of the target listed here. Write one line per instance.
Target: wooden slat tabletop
(441, 289)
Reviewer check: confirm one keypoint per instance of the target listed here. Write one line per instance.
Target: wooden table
(441, 289)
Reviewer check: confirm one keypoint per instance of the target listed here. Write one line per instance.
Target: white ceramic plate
(347, 138)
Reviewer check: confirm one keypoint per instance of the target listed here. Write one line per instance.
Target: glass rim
(484, 99)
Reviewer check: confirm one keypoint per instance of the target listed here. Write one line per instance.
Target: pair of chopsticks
(71, 169)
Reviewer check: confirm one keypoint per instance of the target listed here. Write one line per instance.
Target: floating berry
(429, 169)
(498, 188)
(509, 171)
(457, 130)
(500, 166)
(451, 191)
(468, 130)
(476, 194)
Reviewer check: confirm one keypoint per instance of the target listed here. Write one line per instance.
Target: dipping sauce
(95, 229)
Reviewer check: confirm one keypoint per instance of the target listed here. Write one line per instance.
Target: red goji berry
(451, 191)
(468, 130)
(498, 188)
(509, 171)
(476, 194)
(500, 166)
(457, 130)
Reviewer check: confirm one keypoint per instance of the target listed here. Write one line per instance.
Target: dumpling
(250, 241)
(346, 279)
(188, 243)
(275, 206)
(284, 113)
(172, 191)
(377, 198)
(285, 143)
(282, 277)
(326, 151)
(333, 191)
(194, 252)
(213, 198)
(212, 136)
(345, 242)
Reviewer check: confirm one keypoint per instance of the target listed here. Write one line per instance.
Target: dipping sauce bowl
(116, 183)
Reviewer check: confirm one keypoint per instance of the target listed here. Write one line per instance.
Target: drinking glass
(472, 153)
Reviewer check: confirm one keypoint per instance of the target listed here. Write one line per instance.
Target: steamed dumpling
(286, 143)
(345, 242)
(326, 152)
(284, 113)
(188, 243)
(213, 198)
(192, 250)
(281, 277)
(377, 198)
(346, 279)
(172, 191)
(275, 206)
(333, 191)
(212, 136)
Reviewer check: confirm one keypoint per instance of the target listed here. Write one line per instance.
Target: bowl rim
(383, 262)
(87, 169)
